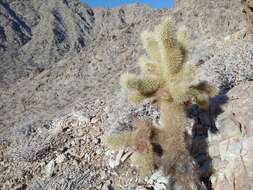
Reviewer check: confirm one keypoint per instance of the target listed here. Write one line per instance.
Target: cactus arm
(143, 162)
(136, 97)
(164, 35)
(172, 55)
(145, 85)
(182, 39)
(148, 67)
(199, 97)
(143, 133)
(151, 46)
(201, 93)
(118, 141)
(173, 60)
(204, 87)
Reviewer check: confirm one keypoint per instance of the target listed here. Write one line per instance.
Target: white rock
(107, 185)
(126, 156)
(60, 158)
(155, 176)
(163, 179)
(111, 163)
(140, 188)
(49, 170)
(99, 151)
(94, 120)
(118, 157)
(56, 130)
(159, 186)
(107, 109)
(87, 157)
(103, 174)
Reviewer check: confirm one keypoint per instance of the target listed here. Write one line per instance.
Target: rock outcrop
(231, 148)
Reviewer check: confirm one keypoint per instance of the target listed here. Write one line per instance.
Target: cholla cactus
(164, 76)
(166, 80)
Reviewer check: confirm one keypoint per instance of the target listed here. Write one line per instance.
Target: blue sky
(114, 3)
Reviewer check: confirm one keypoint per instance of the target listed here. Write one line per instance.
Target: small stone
(125, 156)
(107, 109)
(140, 188)
(226, 38)
(21, 186)
(49, 170)
(97, 103)
(109, 152)
(97, 141)
(94, 120)
(158, 180)
(118, 157)
(87, 157)
(56, 130)
(107, 185)
(73, 143)
(79, 132)
(213, 179)
(99, 151)
(163, 179)
(60, 158)
(111, 163)
(159, 186)
(103, 174)
(85, 119)
(154, 177)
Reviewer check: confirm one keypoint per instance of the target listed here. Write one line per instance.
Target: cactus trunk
(173, 122)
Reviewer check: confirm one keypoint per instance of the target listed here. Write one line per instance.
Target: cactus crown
(163, 72)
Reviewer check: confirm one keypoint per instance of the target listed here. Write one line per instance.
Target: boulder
(232, 151)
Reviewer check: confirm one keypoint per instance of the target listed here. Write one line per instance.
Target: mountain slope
(36, 34)
(80, 82)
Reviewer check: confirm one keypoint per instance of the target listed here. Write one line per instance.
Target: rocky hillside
(70, 57)
(37, 34)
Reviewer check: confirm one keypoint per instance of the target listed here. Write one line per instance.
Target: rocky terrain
(60, 63)
(37, 34)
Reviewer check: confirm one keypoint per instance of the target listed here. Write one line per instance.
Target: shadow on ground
(204, 123)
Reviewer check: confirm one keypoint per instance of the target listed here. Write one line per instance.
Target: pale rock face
(232, 151)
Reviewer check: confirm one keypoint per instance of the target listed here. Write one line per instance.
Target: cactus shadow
(204, 124)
